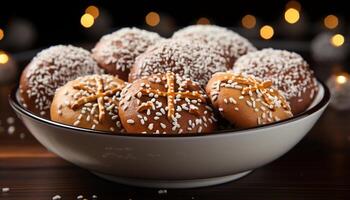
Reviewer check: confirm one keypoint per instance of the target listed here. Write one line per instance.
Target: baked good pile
(136, 82)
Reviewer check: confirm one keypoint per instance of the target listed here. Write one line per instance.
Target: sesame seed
(249, 103)
(163, 125)
(150, 126)
(56, 197)
(130, 121)
(200, 129)
(11, 130)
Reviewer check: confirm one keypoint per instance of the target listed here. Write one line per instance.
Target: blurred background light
(331, 21)
(2, 34)
(93, 10)
(341, 79)
(337, 40)
(293, 4)
(152, 19)
(266, 32)
(292, 15)
(203, 21)
(248, 21)
(4, 58)
(87, 20)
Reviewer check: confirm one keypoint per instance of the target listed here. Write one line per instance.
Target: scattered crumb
(11, 130)
(162, 191)
(56, 197)
(10, 120)
(5, 189)
(22, 135)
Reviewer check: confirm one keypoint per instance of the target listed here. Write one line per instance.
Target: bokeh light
(331, 21)
(203, 21)
(152, 19)
(249, 21)
(337, 40)
(292, 15)
(4, 58)
(341, 79)
(2, 34)
(266, 32)
(87, 20)
(293, 4)
(93, 10)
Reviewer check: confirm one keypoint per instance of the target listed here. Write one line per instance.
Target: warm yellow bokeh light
(249, 21)
(266, 32)
(341, 79)
(4, 58)
(1, 34)
(292, 15)
(331, 21)
(152, 19)
(337, 40)
(293, 4)
(203, 21)
(87, 20)
(93, 10)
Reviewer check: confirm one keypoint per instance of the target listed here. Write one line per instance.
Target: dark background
(59, 21)
(315, 169)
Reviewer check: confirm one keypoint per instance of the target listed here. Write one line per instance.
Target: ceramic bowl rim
(19, 108)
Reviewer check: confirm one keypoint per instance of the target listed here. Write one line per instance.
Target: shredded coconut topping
(191, 60)
(230, 43)
(123, 46)
(52, 68)
(288, 71)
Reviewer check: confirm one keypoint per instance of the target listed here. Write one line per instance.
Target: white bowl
(173, 161)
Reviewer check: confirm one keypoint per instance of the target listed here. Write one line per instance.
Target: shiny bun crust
(166, 104)
(191, 60)
(50, 69)
(245, 101)
(116, 52)
(89, 102)
(230, 44)
(288, 71)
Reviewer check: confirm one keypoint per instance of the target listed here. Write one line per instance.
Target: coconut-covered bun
(50, 69)
(89, 102)
(230, 44)
(183, 57)
(165, 104)
(116, 52)
(246, 102)
(288, 71)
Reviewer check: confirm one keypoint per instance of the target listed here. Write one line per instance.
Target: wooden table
(317, 168)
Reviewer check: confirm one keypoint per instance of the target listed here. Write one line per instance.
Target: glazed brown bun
(230, 44)
(116, 52)
(288, 71)
(246, 102)
(89, 102)
(190, 60)
(165, 104)
(50, 69)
